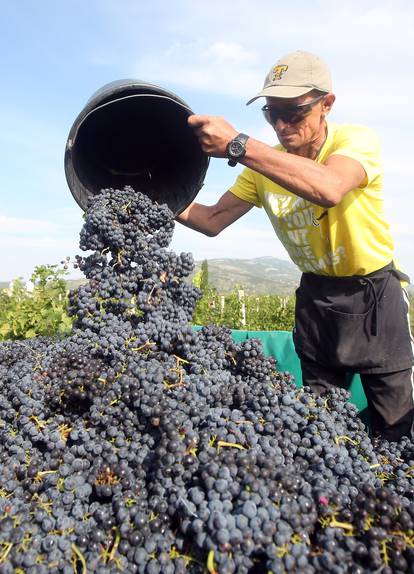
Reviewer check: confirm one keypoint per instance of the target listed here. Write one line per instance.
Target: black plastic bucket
(135, 133)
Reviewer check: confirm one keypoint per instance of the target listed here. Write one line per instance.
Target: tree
(204, 284)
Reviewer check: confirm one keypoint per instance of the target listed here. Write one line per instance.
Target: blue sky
(214, 55)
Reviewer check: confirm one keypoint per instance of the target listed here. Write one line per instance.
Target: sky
(214, 55)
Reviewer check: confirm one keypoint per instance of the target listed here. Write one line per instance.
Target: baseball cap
(295, 75)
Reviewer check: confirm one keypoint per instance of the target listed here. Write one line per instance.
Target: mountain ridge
(265, 275)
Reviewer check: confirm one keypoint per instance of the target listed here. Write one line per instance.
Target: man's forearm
(302, 176)
(319, 183)
(211, 219)
(197, 216)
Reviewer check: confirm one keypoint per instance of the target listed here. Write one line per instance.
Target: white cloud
(27, 242)
(34, 136)
(224, 51)
(400, 216)
(15, 226)
(365, 43)
(20, 255)
(398, 166)
(370, 102)
(47, 243)
(228, 51)
(219, 67)
(218, 51)
(241, 240)
(263, 132)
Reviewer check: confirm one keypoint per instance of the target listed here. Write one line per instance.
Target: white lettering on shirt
(296, 223)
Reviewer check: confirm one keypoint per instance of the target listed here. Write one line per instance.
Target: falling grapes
(139, 445)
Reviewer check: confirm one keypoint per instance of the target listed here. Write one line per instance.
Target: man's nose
(280, 124)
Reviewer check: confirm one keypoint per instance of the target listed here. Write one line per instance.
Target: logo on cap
(278, 72)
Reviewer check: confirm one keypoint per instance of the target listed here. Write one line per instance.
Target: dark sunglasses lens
(289, 117)
(296, 117)
(268, 115)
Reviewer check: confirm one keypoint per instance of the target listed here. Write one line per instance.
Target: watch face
(236, 148)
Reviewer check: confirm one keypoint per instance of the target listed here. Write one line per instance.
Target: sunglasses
(290, 115)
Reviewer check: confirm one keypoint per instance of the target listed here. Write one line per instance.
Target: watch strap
(242, 138)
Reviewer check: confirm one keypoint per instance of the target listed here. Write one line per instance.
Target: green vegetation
(250, 312)
(240, 311)
(43, 311)
(259, 276)
(24, 314)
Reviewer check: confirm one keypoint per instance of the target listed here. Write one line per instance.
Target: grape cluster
(140, 445)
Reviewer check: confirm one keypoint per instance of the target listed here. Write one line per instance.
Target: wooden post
(242, 307)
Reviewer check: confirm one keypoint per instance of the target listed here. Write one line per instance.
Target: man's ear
(328, 103)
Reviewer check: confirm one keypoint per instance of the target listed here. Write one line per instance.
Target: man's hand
(214, 134)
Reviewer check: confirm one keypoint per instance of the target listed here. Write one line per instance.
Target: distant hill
(75, 283)
(261, 275)
(72, 283)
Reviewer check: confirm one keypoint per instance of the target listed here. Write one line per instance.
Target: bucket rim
(77, 125)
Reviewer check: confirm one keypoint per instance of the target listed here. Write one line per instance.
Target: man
(322, 190)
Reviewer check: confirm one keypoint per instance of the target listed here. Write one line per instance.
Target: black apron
(357, 323)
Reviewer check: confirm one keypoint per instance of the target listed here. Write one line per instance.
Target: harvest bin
(134, 133)
(279, 344)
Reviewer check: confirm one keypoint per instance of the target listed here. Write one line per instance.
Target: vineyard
(42, 310)
(131, 442)
(38, 311)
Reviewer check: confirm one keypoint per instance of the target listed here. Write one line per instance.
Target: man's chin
(288, 140)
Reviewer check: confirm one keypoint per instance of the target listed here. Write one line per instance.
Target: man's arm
(323, 184)
(211, 219)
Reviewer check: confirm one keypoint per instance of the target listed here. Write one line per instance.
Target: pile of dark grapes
(138, 444)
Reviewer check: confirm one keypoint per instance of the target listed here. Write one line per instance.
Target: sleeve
(245, 187)
(362, 144)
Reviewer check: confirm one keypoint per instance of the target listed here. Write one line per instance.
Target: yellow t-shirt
(351, 238)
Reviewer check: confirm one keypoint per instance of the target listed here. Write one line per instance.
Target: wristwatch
(236, 149)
